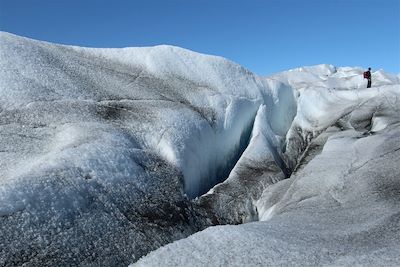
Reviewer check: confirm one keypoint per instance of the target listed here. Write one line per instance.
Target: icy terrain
(108, 154)
(102, 149)
(341, 204)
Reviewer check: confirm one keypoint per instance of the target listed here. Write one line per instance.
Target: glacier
(340, 205)
(107, 155)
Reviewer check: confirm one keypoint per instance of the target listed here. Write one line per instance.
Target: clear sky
(264, 36)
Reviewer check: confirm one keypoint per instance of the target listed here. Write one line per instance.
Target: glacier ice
(102, 149)
(108, 154)
(340, 206)
(341, 209)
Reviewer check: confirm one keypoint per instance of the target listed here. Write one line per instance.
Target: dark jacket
(368, 75)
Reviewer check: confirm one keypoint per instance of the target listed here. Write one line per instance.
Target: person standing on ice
(367, 75)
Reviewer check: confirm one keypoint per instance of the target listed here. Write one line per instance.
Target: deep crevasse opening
(211, 154)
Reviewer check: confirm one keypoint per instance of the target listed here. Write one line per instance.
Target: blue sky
(264, 36)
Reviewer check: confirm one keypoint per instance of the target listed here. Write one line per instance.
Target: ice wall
(101, 147)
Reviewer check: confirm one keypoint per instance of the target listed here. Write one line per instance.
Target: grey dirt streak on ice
(109, 154)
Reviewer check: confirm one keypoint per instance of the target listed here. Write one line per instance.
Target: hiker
(367, 75)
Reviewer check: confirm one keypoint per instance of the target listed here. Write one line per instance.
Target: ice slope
(329, 76)
(116, 79)
(100, 148)
(340, 207)
(352, 221)
(284, 131)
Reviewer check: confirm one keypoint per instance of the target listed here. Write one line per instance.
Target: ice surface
(102, 149)
(329, 76)
(108, 154)
(204, 110)
(340, 207)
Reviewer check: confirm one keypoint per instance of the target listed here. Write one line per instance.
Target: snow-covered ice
(108, 154)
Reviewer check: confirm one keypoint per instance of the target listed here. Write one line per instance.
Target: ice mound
(102, 149)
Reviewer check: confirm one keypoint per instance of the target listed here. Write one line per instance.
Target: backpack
(366, 76)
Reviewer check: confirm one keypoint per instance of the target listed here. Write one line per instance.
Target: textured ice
(233, 201)
(340, 206)
(341, 209)
(108, 154)
(329, 76)
(100, 147)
